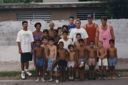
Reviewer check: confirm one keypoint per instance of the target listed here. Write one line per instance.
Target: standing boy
(82, 56)
(92, 55)
(51, 57)
(39, 54)
(112, 58)
(102, 62)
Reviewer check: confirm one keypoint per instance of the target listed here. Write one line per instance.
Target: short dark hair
(38, 23)
(112, 41)
(69, 46)
(24, 22)
(45, 30)
(78, 34)
(81, 40)
(104, 18)
(61, 42)
(65, 32)
(72, 17)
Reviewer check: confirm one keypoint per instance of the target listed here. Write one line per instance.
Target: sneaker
(22, 75)
(28, 73)
(50, 80)
(57, 81)
(43, 80)
(37, 80)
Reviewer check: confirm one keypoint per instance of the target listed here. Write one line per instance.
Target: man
(104, 33)
(90, 27)
(71, 24)
(24, 41)
(77, 30)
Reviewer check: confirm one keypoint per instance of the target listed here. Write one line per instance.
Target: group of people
(62, 53)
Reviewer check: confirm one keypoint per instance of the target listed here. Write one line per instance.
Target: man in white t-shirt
(77, 30)
(24, 41)
(65, 40)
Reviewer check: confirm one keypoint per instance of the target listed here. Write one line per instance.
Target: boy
(81, 58)
(62, 60)
(92, 55)
(76, 43)
(45, 46)
(72, 62)
(112, 59)
(51, 57)
(39, 60)
(102, 61)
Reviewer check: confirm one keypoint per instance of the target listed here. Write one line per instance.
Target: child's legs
(50, 67)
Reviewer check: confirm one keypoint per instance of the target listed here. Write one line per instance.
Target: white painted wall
(9, 29)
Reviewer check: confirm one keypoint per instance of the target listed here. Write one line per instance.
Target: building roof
(50, 5)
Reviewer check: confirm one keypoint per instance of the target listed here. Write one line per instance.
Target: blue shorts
(111, 61)
(39, 62)
(50, 65)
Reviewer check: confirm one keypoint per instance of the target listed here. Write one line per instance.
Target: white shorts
(71, 63)
(103, 62)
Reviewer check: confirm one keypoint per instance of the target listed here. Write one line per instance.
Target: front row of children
(62, 64)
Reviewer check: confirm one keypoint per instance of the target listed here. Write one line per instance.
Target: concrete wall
(9, 29)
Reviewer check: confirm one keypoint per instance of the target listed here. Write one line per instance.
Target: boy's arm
(55, 53)
(67, 55)
(105, 54)
(85, 53)
(98, 53)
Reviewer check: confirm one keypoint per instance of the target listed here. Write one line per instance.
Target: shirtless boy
(112, 58)
(72, 60)
(81, 58)
(39, 61)
(62, 60)
(92, 55)
(102, 61)
(51, 57)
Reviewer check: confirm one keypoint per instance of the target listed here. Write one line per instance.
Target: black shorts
(25, 57)
(62, 64)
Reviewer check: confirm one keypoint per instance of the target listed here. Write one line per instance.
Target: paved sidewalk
(96, 82)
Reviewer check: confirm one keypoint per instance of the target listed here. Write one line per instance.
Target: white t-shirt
(74, 31)
(25, 38)
(66, 43)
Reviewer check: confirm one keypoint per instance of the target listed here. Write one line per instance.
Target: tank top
(105, 36)
(91, 30)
